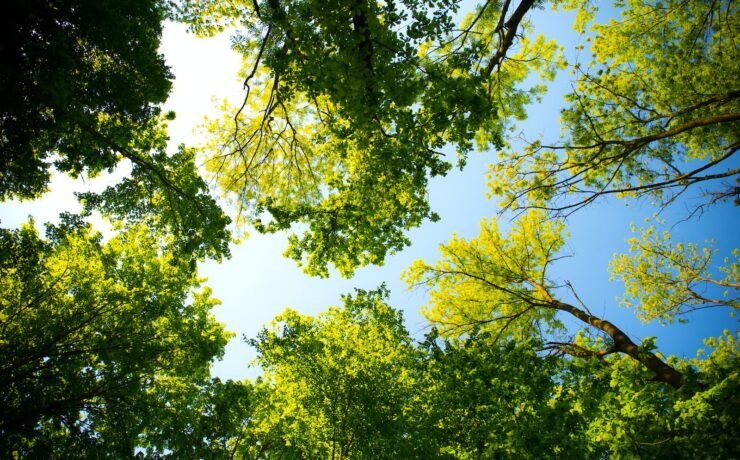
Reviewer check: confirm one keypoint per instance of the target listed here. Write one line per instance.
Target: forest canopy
(108, 337)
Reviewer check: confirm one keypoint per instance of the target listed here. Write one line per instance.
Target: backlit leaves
(348, 110)
(664, 280)
(87, 328)
(653, 110)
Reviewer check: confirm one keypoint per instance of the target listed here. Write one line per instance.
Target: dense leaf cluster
(106, 343)
(74, 72)
(350, 383)
(348, 110)
(89, 328)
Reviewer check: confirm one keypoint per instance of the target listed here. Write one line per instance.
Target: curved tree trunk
(663, 372)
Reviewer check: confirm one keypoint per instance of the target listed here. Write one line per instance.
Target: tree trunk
(663, 372)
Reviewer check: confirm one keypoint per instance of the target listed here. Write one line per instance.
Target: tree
(80, 86)
(197, 419)
(76, 75)
(88, 328)
(625, 413)
(664, 281)
(500, 284)
(496, 400)
(341, 382)
(347, 109)
(656, 111)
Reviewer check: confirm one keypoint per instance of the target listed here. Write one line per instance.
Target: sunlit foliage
(88, 328)
(347, 111)
(654, 110)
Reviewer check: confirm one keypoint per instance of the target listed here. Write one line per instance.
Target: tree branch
(511, 27)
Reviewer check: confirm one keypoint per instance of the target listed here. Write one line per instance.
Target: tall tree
(87, 328)
(654, 112)
(342, 382)
(80, 87)
(78, 77)
(347, 109)
(500, 283)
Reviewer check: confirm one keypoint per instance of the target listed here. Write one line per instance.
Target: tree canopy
(341, 382)
(351, 383)
(81, 89)
(78, 79)
(501, 283)
(88, 329)
(655, 111)
(349, 109)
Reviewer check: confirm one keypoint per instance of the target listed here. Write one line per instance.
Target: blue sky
(257, 282)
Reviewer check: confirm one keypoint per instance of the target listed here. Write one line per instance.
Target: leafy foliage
(500, 284)
(493, 282)
(651, 113)
(341, 381)
(82, 92)
(664, 280)
(88, 328)
(488, 400)
(347, 109)
(73, 73)
(627, 414)
(196, 419)
(105, 346)
(173, 201)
